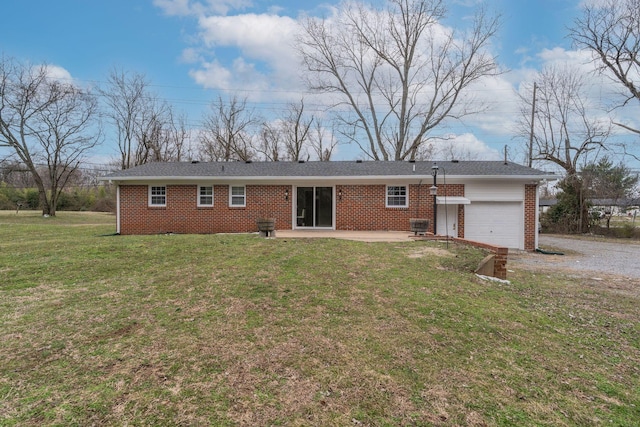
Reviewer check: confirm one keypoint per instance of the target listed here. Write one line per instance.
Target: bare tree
(270, 146)
(295, 132)
(452, 150)
(399, 74)
(565, 130)
(287, 138)
(322, 143)
(229, 131)
(175, 138)
(48, 126)
(147, 127)
(125, 95)
(15, 174)
(611, 31)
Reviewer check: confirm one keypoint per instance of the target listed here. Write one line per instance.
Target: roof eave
(408, 177)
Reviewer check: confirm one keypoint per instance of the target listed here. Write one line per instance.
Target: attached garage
(498, 223)
(495, 214)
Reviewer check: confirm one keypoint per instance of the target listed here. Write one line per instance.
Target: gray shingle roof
(332, 169)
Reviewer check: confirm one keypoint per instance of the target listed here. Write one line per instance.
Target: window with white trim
(205, 195)
(157, 195)
(397, 196)
(237, 196)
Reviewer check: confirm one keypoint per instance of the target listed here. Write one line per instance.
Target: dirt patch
(423, 252)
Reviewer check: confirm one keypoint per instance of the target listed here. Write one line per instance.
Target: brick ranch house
(493, 202)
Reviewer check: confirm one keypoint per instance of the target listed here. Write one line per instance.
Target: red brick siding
(182, 215)
(530, 212)
(363, 207)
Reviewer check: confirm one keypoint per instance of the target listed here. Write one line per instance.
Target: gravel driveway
(591, 255)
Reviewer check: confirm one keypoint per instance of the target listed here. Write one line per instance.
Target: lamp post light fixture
(434, 192)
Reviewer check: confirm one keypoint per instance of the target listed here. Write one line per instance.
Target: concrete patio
(362, 236)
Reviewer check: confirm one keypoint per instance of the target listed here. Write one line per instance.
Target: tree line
(393, 78)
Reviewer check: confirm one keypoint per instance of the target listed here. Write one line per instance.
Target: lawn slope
(239, 330)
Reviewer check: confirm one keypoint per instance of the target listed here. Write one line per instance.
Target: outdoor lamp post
(434, 192)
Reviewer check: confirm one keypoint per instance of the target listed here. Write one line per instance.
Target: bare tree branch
(611, 31)
(44, 121)
(564, 130)
(229, 131)
(399, 74)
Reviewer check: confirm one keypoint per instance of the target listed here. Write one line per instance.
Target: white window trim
(157, 205)
(244, 196)
(406, 196)
(205, 205)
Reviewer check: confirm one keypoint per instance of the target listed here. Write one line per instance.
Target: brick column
(530, 214)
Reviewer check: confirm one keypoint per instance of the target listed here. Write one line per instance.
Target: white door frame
(294, 213)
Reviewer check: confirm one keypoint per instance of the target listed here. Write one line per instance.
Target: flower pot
(266, 226)
(419, 225)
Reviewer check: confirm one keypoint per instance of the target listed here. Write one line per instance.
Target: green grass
(239, 330)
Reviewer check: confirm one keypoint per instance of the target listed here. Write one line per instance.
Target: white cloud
(464, 146)
(200, 8)
(175, 7)
(265, 47)
(260, 36)
(212, 75)
(190, 56)
(559, 55)
(55, 72)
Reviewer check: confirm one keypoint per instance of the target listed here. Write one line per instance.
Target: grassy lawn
(97, 329)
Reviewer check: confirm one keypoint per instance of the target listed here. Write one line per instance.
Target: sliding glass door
(314, 207)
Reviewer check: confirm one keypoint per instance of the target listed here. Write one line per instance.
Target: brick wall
(363, 207)
(182, 215)
(530, 213)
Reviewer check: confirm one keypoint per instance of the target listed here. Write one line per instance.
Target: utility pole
(533, 115)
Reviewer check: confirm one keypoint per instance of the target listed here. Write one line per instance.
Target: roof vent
(359, 161)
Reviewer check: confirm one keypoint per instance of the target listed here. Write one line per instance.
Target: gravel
(585, 254)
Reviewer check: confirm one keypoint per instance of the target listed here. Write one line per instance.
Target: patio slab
(362, 236)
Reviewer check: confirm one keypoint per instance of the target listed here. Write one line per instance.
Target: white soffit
(452, 200)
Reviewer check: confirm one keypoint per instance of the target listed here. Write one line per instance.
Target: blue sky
(192, 51)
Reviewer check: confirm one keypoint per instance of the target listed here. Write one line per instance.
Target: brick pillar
(500, 263)
(530, 213)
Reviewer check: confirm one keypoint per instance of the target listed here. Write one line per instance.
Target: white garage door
(497, 223)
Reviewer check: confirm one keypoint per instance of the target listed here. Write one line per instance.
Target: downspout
(446, 206)
(118, 209)
(537, 221)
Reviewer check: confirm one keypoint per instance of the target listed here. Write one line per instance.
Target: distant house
(614, 206)
(487, 201)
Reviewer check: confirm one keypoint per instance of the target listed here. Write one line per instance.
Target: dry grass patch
(238, 330)
(430, 251)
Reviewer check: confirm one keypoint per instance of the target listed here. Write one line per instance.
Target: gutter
(286, 179)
